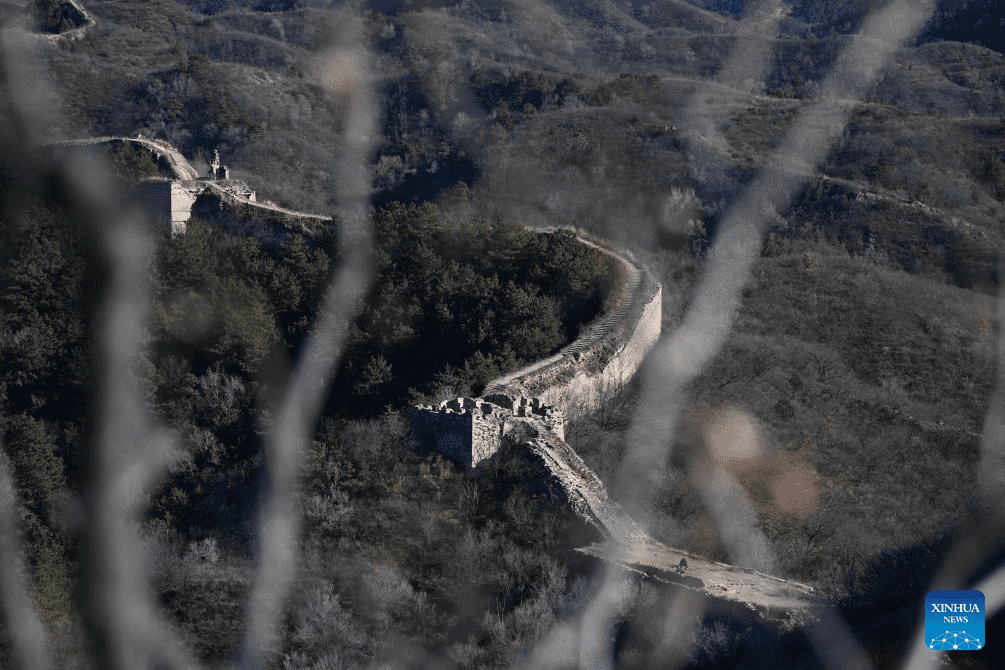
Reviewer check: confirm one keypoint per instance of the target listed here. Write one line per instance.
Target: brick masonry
(537, 398)
(581, 376)
(469, 431)
(169, 202)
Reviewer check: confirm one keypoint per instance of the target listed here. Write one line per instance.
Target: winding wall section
(83, 19)
(175, 161)
(577, 380)
(601, 361)
(184, 177)
(534, 402)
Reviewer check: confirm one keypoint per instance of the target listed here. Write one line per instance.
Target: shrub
(325, 631)
(38, 472)
(50, 570)
(244, 330)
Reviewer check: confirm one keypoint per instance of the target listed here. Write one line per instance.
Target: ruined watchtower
(169, 201)
(218, 172)
(469, 431)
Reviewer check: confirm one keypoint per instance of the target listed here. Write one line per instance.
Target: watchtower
(218, 172)
(469, 431)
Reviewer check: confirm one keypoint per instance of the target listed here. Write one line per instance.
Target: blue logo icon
(954, 620)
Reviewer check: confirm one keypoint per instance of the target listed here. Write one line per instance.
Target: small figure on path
(682, 566)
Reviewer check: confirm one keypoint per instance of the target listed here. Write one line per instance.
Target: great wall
(71, 12)
(171, 200)
(527, 410)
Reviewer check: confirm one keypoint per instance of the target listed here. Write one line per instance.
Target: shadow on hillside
(882, 614)
(428, 182)
(899, 235)
(884, 610)
(417, 148)
(269, 229)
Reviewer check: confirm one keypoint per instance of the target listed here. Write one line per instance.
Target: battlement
(469, 431)
(602, 360)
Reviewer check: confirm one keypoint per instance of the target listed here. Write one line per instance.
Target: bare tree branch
(28, 637)
(344, 71)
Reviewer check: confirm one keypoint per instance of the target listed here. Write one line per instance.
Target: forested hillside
(479, 298)
(856, 335)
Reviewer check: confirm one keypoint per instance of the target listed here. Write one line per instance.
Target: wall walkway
(83, 18)
(176, 162)
(182, 171)
(603, 359)
(577, 380)
(627, 544)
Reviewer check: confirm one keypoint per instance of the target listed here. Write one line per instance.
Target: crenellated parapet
(573, 381)
(171, 199)
(607, 354)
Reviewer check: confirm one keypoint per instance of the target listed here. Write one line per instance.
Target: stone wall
(169, 203)
(78, 16)
(470, 431)
(443, 430)
(241, 200)
(173, 205)
(538, 398)
(581, 376)
(230, 205)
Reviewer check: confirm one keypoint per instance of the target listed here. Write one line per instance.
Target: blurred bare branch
(127, 454)
(127, 457)
(986, 538)
(28, 637)
(681, 355)
(344, 71)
